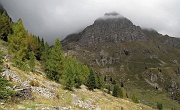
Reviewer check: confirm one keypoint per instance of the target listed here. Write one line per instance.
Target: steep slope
(35, 91)
(140, 59)
(110, 28)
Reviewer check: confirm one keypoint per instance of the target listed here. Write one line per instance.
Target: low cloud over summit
(58, 18)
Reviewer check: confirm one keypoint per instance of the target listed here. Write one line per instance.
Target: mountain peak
(111, 15)
(112, 27)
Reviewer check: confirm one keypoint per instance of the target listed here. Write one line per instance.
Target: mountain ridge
(138, 58)
(109, 28)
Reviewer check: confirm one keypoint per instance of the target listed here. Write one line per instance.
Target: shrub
(4, 92)
(173, 108)
(34, 83)
(159, 106)
(109, 89)
(134, 99)
(57, 95)
(119, 92)
(116, 91)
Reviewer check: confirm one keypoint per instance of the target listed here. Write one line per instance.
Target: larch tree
(68, 77)
(116, 91)
(91, 82)
(55, 65)
(18, 45)
(75, 73)
(45, 55)
(32, 59)
(5, 26)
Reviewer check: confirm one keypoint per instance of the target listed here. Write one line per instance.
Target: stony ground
(48, 95)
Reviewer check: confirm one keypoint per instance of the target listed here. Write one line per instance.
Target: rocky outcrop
(174, 42)
(44, 92)
(11, 75)
(84, 104)
(56, 108)
(26, 88)
(154, 77)
(23, 92)
(112, 27)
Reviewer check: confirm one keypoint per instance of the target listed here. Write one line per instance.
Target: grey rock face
(112, 27)
(83, 104)
(174, 42)
(118, 29)
(23, 92)
(154, 77)
(43, 92)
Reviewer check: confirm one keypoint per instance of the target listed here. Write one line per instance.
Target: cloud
(58, 18)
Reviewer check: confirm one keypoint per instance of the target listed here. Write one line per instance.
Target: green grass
(151, 95)
(3, 46)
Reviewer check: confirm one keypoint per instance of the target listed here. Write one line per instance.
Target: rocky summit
(143, 61)
(112, 27)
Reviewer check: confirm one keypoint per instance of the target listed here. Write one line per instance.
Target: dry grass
(108, 102)
(98, 98)
(64, 97)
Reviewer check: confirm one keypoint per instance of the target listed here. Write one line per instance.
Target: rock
(44, 92)
(112, 27)
(154, 77)
(11, 75)
(97, 108)
(82, 104)
(174, 42)
(23, 92)
(46, 108)
(20, 107)
(174, 85)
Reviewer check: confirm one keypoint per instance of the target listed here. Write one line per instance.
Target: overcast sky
(58, 18)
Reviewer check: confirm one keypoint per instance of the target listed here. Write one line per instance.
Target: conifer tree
(100, 82)
(42, 42)
(68, 77)
(5, 26)
(39, 47)
(78, 73)
(84, 73)
(18, 45)
(119, 92)
(45, 55)
(91, 83)
(55, 64)
(31, 43)
(116, 91)
(134, 99)
(75, 73)
(159, 106)
(32, 61)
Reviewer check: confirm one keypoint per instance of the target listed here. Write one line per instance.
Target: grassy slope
(134, 67)
(101, 99)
